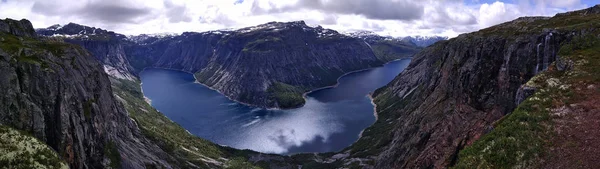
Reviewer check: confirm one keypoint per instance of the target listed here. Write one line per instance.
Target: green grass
(286, 96)
(240, 163)
(515, 141)
(522, 138)
(377, 136)
(31, 51)
(563, 22)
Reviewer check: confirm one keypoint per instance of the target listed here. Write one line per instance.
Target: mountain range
(286, 59)
(522, 94)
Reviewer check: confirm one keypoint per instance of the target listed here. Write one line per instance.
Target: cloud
(386, 17)
(371, 9)
(496, 13)
(109, 11)
(177, 13)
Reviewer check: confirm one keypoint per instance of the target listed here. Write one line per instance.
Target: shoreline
(341, 76)
(304, 95)
(211, 88)
(370, 95)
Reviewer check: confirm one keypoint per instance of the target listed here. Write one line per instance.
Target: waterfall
(537, 61)
(547, 48)
(523, 93)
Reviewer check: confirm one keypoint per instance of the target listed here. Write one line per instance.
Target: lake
(331, 119)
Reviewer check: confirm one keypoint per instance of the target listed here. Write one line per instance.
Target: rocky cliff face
(251, 63)
(450, 95)
(454, 91)
(60, 94)
(268, 65)
(106, 46)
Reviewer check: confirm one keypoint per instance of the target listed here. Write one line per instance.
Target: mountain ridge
(501, 89)
(454, 92)
(213, 55)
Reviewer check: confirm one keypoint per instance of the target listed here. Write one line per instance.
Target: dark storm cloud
(103, 11)
(176, 13)
(114, 14)
(372, 9)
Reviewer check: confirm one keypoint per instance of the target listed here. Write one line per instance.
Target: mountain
(421, 41)
(424, 41)
(522, 94)
(104, 45)
(465, 102)
(60, 108)
(58, 93)
(268, 65)
(385, 47)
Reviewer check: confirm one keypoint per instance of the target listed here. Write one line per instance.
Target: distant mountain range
(268, 65)
(521, 94)
(421, 41)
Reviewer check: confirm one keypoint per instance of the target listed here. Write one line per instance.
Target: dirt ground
(576, 142)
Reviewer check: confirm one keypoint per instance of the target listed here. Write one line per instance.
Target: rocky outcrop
(60, 94)
(450, 94)
(453, 91)
(19, 28)
(106, 46)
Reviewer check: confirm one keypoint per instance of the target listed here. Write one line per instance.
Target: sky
(386, 17)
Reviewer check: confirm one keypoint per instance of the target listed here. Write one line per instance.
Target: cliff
(268, 65)
(60, 94)
(454, 91)
(513, 95)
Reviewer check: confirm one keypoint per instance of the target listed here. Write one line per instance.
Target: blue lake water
(331, 119)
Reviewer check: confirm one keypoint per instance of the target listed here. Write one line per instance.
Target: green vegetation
(515, 141)
(21, 150)
(31, 51)
(87, 108)
(377, 136)
(286, 96)
(262, 44)
(240, 163)
(523, 138)
(188, 149)
(388, 50)
(569, 21)
(111, 151)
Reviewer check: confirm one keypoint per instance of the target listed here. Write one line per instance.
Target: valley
(331, 119)
(520, 94)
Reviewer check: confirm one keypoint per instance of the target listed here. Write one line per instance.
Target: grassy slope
(286, 96)
(21, 150)
(388, 51)
(189, 150)
(524, 138)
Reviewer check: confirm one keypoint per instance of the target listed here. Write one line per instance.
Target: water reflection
(330, 121)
